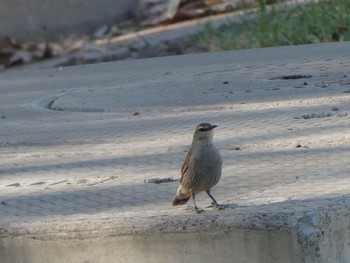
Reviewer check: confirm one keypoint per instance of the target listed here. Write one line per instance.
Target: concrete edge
(316, 236)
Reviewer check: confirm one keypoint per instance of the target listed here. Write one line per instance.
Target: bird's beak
(213, 126)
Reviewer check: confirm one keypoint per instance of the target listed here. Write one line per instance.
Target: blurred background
(44, 33)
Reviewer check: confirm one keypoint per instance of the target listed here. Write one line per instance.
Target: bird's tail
(182, 197)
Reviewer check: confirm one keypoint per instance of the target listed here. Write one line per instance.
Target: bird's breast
(207, 160)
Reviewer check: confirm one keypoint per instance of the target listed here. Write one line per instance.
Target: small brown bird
(201, 169)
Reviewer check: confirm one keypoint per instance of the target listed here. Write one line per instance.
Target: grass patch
(309, 23)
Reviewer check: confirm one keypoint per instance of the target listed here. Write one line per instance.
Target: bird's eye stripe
(202, 129)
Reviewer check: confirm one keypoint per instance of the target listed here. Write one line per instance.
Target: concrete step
(90, 157)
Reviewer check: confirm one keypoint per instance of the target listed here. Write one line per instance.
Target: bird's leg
(198, 211)
(212, 198)
(214, 201)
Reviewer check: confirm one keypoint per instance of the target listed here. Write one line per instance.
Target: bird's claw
(199, 211)
(218, 206)
(196, 209)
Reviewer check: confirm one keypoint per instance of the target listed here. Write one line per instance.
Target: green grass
(325, 21)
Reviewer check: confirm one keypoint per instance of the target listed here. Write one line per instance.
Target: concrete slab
(81, 148)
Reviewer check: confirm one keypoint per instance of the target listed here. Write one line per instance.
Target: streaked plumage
(201, 169)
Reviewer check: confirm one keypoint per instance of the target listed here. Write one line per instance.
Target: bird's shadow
(223, 206)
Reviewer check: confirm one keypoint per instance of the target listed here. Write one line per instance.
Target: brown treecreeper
(201, 169)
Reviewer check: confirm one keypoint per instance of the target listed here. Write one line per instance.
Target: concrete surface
(83, 147)
(36, 19)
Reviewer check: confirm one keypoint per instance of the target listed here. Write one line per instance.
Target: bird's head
(204, 131)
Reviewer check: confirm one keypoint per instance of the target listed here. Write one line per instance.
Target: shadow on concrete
(91, 200)
(135, 195)
(147, 160)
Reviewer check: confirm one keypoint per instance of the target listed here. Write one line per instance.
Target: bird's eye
(202, 129)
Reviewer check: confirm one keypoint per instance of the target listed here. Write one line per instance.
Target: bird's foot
(199, 211)
(195, 209)
(218, 206)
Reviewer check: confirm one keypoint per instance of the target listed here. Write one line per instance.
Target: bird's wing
(186, 164)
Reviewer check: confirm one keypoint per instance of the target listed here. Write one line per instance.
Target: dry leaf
(20, 57)
(153, 12)
(102, 31)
